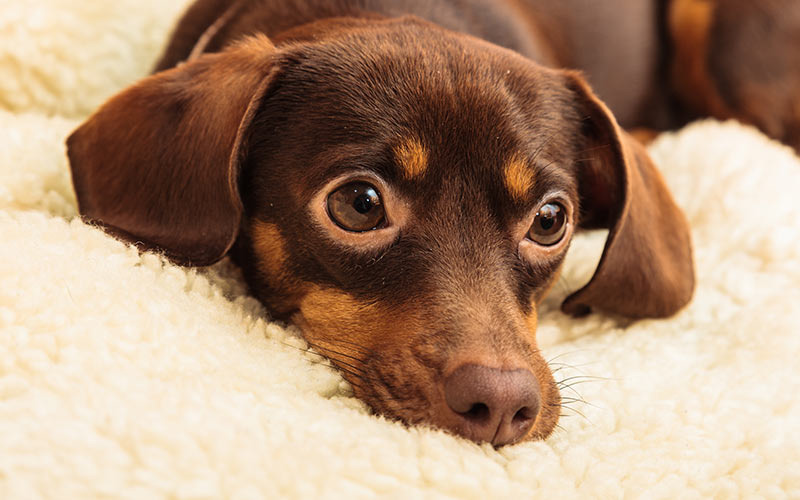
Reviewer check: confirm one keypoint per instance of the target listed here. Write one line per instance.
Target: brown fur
(740, 59)
(449, 109)
(271, 254)
(690, 25)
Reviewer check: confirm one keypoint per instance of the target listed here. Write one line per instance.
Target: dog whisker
(568, 399)
(577, 413)
(328, 361)
(370, 386)
(355, 345)
(348, 368)
(402, 408)
(357, 375)
(326, 350)
(307, 351)
(567, 353)
(585, 378)
(385, 398)
(570, 388)
(574, 367)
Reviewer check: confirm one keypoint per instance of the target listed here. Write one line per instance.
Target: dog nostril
(478, 413)
(523, 415)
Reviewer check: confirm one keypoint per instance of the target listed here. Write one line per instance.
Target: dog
(402, 179)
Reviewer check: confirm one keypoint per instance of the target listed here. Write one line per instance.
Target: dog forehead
(420, 87)
(422, 104)
(398, 64)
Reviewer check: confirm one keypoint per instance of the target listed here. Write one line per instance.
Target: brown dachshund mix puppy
(402, 179)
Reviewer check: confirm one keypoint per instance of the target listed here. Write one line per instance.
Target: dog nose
(498, 406)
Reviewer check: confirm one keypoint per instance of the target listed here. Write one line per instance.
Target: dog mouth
(475, 402)
(358, 364)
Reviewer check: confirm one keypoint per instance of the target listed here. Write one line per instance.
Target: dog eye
(356, 207)
(549, 225)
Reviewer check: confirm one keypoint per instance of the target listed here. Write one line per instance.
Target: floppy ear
(157, 165)
(646, 269)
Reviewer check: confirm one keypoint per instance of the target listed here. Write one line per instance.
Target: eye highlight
(549, 225)
(357, 207)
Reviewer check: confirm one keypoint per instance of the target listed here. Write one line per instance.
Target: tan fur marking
(413, 158)
(532, 321)
(518, 177)
(270, 250)
(331, 312)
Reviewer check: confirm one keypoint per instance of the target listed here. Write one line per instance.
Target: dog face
(405, 203)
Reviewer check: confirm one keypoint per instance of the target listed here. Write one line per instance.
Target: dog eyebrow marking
(413, 158)
(518, 177)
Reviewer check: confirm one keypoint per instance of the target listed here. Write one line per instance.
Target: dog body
(402, 181)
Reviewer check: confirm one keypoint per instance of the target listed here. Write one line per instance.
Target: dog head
(407, 203)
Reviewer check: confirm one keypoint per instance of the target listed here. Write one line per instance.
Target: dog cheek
(335, 317)
(545, 290)
(532, 321)
(283, 289)
(371, 332)
(550, 410)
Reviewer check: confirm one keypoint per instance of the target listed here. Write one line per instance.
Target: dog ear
(646, 269)
(157, 165)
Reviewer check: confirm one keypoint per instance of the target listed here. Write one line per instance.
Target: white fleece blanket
(123, 376)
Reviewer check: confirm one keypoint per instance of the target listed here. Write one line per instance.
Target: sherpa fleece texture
(123, 376)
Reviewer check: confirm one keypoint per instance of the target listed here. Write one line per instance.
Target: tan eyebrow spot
(413, 158)
(518, 177)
